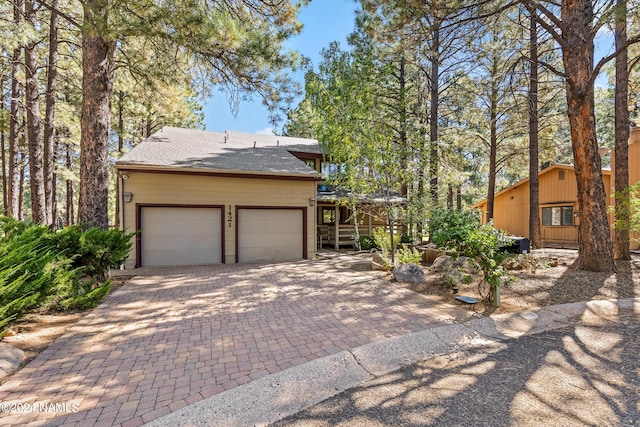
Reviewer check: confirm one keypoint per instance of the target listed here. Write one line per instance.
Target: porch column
(369, 225)
(337, 225)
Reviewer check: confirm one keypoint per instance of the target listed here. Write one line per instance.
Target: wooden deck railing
(346, 232)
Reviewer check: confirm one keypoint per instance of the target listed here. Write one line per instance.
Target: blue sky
(324, 21)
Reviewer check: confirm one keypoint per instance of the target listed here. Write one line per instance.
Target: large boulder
(409, 273)
(10, 358)
(378, 262)
(442, 264)
(451, 271)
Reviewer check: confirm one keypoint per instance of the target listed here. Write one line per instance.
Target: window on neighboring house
(557, 216)
(560, 175)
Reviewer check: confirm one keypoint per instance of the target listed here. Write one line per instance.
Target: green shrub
(408, 256)
(62, 270)
(29, 268)
(462, 233)
(88, 296)
(367, 243)
(94, 249)
(629, 199)
(405, 238)
(383, 240)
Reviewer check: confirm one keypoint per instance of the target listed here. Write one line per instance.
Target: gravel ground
(582, 375)
(551, 285)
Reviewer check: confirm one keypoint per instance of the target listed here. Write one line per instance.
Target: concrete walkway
(174, 337)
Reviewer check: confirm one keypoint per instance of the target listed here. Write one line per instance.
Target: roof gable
(550, 168)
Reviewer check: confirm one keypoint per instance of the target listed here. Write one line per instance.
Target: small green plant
(447, 280)
(408, 256)
(368, 243)
(629, 199)
(405, 238)
(526, 262)
(383, 240)
(462, 233)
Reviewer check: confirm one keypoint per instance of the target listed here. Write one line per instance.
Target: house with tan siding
(558, 200)
(199, 197)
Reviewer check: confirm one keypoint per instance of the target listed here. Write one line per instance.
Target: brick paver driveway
(175, 336)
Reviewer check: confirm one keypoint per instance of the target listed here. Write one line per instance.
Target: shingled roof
(175, 148)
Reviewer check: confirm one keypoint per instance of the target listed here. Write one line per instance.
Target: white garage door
(270, 234)
(181, 236)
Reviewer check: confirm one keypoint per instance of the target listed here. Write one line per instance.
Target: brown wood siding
(634, 173)
(634, 163)
(557, 188)
(177, 189)
(511, 210)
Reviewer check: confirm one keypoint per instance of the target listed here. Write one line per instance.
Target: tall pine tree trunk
(493, 152)
(595, 248)
(98, 54)
(54, 186)
(404, 142)
(5, 199)
(433, 116)
(535, 235)
(22, 166)
(70, 211)
(120, 148)
(422, 168)
(14, 187)
(621, 236)
(36, 173)
(49, 122)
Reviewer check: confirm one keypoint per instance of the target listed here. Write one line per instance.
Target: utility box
(517, 245)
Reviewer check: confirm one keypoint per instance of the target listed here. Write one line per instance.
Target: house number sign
(229, 216)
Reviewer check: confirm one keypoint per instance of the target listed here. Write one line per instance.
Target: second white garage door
(270, 234)
(181, 236)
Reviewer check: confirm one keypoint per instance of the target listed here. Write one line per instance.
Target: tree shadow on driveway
(580, 375)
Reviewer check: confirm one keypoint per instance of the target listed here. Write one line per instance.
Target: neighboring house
(201, 197)
(558, 200)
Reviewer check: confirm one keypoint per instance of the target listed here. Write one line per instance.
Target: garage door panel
(181, 241)
(273, 254)
(181, 236)
(290, 239)
(270, 234)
